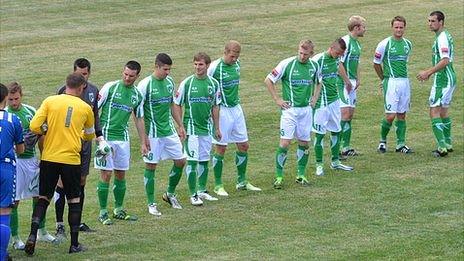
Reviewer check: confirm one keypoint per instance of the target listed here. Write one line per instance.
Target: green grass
(391, 207)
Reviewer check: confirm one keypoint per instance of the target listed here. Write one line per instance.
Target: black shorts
(70, 176)
(86, 157)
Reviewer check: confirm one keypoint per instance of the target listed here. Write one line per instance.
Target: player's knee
(221, 149)
(243, 147)
(83, 180)
(150, 166)
(180, 163)
(284, 143)
(73, 200)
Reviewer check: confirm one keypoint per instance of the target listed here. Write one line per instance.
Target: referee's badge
(91, 97)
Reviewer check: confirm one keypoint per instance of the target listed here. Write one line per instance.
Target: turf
(391, 207)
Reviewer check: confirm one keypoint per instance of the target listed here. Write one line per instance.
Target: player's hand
(103, 148)
(282, 104)
(181, 133)
(348, 86)
(218, 134)
(380, 92)
(147, 143)
(422, 76)
(143, 149)
(358, 83)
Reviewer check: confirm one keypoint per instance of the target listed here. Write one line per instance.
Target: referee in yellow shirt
(63, 119)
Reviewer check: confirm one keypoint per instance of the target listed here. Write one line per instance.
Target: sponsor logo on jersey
(377, 55)
(177, 94)
(444, 50)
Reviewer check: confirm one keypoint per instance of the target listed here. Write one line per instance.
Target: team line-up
(182, 124)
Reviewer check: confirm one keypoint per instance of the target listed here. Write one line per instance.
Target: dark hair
(15, 87)
(162, 59)
(75, 80)
(439, 14)
(398, 18)
(81, 63)
(202, 56)
(341, 43)
(134, 65)
(3, 92)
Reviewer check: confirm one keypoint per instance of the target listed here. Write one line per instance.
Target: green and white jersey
(228, 76)
(394, 56)
(443, 47)
(25, 115)
(298, 80)
(157, 100)
(117, 102)
(198, 96)
(329, 78)
(350, 58)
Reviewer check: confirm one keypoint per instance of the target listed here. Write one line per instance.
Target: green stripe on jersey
(228, 76)
(443, 46)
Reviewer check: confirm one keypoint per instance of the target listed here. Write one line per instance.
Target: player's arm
(425, 74)
(358, 78)
(18, 136)
(272, 90)
(39, 119)
(342, 72)
(140, 126)
(89, 130)
(378, 70)
(317, 93)
(215, 115)
(176, 111)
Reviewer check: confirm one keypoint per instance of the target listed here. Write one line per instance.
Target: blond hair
(354, 21)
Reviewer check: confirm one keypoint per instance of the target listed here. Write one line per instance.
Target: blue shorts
(7, 184)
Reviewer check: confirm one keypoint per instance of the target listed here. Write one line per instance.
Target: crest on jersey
(210, 89)
(170, 88)
(134, 99)
(91, 97)
(406, 49)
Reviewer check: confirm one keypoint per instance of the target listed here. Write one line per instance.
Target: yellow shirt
(67, 117)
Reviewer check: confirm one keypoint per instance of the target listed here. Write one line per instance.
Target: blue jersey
(11, 133)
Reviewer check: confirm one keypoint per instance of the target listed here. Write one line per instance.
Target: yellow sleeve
(39, 118)
(89, 130)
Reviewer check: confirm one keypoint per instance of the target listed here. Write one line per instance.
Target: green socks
(447, 131)
(335, 145)
(318, 147)
(218, 162)
(281, 157)
(119, 191)
(14, 221)
(400, 133)
(384, 129)
(437, 128)
(102, 191)
(191, 171)
(302, 155)
(241, 160)
(174, 178)
(346, 134)
(149, 182)
(202, 175)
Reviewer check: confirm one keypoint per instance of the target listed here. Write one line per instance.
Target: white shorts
(397, 95)
(232, 125)
(164, 148)
(327, 118)
(295, 122)
(117, 159)
(348, 99)
(197, 148)
(441, 97)
(27, 178)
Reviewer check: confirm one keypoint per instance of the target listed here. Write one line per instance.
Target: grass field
(391, 207)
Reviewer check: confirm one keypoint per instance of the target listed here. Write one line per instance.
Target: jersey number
(100, 161)
(68, 117)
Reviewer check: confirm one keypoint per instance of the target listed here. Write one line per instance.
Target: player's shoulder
(213, 80)
(346, 38)
(187, 79)
(92, 87)
(215, 63)
(144, 82)
(170, 79)
(317, 57)
(286, 61)
(29, 108)
(110, 84)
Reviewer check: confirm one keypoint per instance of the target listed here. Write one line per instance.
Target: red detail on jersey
(444, 50)
(177, 94)
(99, 97)
(275, 73)
(377, 55)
